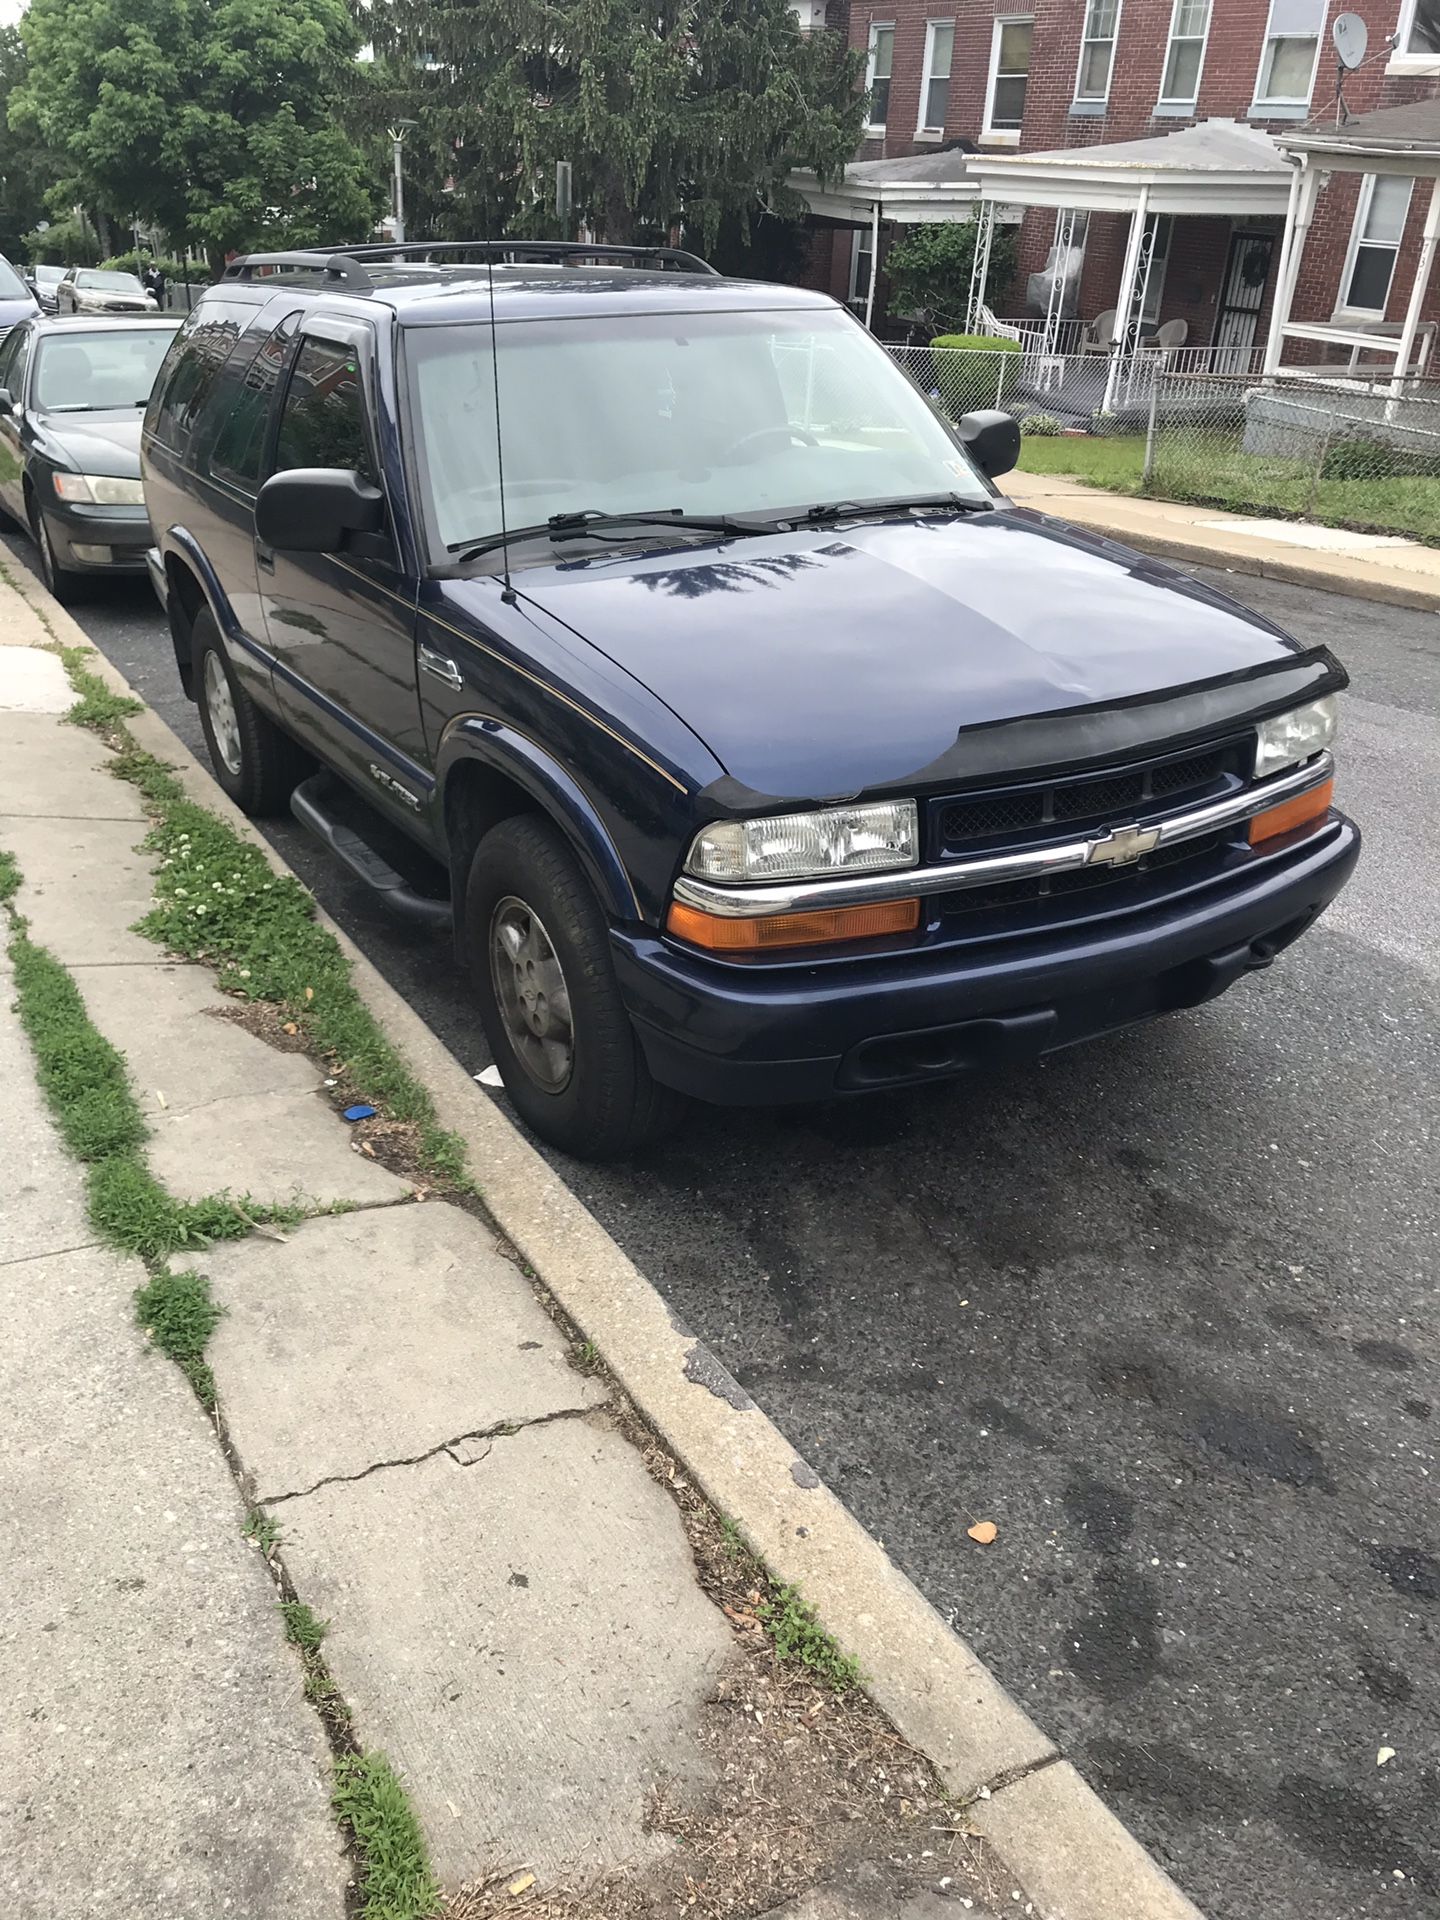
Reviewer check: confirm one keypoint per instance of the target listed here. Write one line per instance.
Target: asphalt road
(1165, 1310)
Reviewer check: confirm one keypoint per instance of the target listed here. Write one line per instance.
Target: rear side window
(191, 370)
(243, 401)
(323, 420)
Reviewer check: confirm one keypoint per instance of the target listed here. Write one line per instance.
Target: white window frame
(989, 132)
(1176, 99)
(860, 249)
(924, 129)
(877, 27)
(1261, 101)
(1402, 62)
(1358, 240)
(1088, 40)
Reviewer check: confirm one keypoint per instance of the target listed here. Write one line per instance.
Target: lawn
(1210, 470)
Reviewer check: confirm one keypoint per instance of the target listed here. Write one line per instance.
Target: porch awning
(1217, 167)
(920, 187)
(1390, 140)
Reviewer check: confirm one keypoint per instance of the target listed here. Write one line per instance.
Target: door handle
(441, 667)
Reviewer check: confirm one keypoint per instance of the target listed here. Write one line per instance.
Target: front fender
(251, 663)
(506, 751)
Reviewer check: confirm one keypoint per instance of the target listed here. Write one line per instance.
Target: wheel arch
(490, 772)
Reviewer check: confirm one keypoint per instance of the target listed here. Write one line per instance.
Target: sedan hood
(826, 663)
(107, 443)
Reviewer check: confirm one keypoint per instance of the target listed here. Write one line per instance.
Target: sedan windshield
(700, 413)
(98, 372)
(49, 276)
(109, 282)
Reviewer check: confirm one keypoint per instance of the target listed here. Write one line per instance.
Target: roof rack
(346, 265)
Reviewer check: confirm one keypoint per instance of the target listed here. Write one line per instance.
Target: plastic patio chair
(1099, 336)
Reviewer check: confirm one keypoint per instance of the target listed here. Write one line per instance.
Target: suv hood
(824, 663)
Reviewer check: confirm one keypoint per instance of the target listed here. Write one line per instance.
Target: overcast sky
(10, 11)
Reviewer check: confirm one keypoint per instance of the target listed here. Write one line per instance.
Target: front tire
(539, 953)
(257, 764)
(61, 583)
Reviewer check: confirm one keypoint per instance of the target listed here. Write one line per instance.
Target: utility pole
(397, 139)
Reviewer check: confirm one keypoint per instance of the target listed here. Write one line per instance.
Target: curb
(1354, 584)
(1056, 1838)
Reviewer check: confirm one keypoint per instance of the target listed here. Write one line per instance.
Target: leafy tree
(928, 270)
(213, 119)
(26, 170)
(667, 110)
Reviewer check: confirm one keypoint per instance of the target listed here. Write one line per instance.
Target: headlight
(99, 490)
(1292, 737)
(802, 846)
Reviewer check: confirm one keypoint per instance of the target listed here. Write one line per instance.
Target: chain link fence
(1312, 450)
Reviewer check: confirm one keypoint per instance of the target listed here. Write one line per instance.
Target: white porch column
(984, 217)
(1304, 192)
(1123, 306)
(1424, 265)
(874, 262)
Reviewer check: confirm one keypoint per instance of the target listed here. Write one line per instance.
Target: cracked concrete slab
(524, 1638)
(33, 680)
(156, 1754)
(50, 772)
(85, 887)
(378, 1336)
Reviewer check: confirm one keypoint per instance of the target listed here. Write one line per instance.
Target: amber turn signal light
(1299, 812)
(765, 932)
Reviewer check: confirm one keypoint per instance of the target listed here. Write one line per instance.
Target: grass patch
(97, 706)
(1100, 461)
(261, 1531)
(395, 1878)
(9, 877)
(303, 1629)
(797, 1635)
(80, 1073)
(130, 1209)
(179, 1313)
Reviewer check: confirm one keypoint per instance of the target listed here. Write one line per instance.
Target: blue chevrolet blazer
(656, 631)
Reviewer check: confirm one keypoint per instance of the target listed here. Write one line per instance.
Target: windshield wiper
(576, 526)
(858, 509)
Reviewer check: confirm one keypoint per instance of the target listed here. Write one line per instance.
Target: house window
(935, 85)
(1292, 46)
(1379, 223)
(877, 75)
(862, 265)
(1417, 38)
(1189, 24)
(1009, 71)
(1097, 49)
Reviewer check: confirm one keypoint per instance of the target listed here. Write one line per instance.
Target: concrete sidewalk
(521, 1588)
(1366, 566)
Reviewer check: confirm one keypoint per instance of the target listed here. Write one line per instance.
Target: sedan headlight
(803, 846)
(99, 490)
(1292, 737)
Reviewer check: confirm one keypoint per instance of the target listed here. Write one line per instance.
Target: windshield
(12, 287)
(111, 282)
(94, 372)
(710, 413)
(49, 276)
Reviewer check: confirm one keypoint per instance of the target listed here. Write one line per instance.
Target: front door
(341, 626)
(1242, 295)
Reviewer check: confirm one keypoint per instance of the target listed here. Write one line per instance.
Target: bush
(968, 369)
(1042, 426)
(928, 269)
(137, 263)
(1355, 456)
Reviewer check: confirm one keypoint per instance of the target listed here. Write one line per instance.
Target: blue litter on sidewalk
(360, 1113)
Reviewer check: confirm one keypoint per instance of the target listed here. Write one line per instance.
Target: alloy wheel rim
(220, 706)
(532, 995)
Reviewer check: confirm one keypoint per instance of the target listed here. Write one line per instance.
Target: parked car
(767, 752)
(17, 302)
(96, 290)
(44, 282)
(72, 395)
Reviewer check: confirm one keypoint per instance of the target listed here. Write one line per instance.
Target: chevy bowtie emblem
(1121, 845)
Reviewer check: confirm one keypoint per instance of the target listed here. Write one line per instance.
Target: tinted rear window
(242, 405)
(191, 369)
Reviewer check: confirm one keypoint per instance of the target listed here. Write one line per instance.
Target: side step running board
(307, 803)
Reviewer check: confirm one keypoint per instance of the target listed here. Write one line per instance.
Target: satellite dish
(1351, 37)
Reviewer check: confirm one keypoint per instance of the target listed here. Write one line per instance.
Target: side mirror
(313, 509)
(992, 440)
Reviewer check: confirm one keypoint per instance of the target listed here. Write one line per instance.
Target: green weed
(302, 1628)
(585, 1356)
(131, 1210)
(395, 1878)
(261, 1530)
(731, 1539)
(9, 877)
(797, 1635)
(179, 1314)
(97, 706)
(80, 1073)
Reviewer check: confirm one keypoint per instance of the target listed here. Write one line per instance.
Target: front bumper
(98, 539)
(746, 1035)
